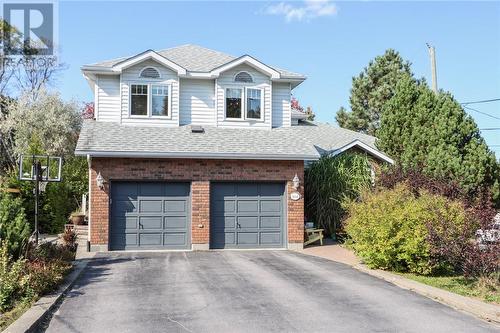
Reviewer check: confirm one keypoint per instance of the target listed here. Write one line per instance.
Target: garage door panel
(248, 238)
(151, 189)
(124, 191)
(271, 190)
(270, 238)
(150, 206)
(149, 239)
(179, 190)
(125, 223)
(247, 215)
(223, 238)
(270, 222)
(270, 206)
(173, 206)
(248, 206)
(122, 240)
(174, 239)
(247, 190)
(158, 217)
(248, 222)
(224, 190)
(124, 207)
(175, 222)
(150, 222)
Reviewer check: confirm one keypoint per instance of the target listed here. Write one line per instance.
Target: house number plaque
(295, 196)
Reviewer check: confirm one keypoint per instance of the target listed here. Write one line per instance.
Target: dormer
(192, 85)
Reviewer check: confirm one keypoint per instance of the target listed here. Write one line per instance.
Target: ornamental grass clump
(331, 180)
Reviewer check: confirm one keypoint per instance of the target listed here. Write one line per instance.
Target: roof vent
(243, 77)
(150, 72)
(197, 129)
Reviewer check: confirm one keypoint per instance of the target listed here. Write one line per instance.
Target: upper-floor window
(243, 77)
(149, 100)
(150, 73)
(139, 100)
(244, 103)
(159, 100)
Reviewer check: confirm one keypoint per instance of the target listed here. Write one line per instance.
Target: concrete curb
(31, 319)
(482, 310)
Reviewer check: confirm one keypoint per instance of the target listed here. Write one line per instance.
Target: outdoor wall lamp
(296, 182)
(100, 181)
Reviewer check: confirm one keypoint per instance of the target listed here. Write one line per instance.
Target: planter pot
(77, 219)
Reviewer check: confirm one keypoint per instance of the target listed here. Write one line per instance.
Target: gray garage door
(150, 215)
(247, 215)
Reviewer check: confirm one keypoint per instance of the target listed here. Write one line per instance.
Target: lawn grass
(485, 290)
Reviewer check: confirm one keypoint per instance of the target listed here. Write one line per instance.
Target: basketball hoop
(41, 169)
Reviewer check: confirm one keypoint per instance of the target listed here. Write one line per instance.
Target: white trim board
(357, 143)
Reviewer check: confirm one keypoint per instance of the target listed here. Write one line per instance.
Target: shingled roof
(305, 142)
(194, 58)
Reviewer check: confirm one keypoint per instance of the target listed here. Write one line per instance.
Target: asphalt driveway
(244, 291)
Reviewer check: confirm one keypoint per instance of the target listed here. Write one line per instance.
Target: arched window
(243, 77)
(150, 73)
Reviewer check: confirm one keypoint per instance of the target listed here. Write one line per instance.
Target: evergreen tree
(431, 132)
(371, 89)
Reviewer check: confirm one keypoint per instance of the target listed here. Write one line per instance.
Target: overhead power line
(490, 129)
(481, 112)
(482, 101)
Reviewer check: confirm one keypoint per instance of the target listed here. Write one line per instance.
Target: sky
(329, 42)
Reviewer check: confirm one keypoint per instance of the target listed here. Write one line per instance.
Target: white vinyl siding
(197, 102)
(260, 80)
(167, 77)
(281, 105)
(108, 98)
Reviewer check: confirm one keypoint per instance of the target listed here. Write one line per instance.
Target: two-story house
(191, 148)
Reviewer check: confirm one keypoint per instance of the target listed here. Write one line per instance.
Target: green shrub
(14, 227)
(44, 276)
(388, 227)
(11, 279)
(328, 182)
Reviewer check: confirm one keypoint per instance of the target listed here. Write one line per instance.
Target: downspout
(89, 163)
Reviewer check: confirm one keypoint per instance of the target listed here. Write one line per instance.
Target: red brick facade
(199, 172)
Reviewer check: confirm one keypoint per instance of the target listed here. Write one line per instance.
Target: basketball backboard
(49, 168)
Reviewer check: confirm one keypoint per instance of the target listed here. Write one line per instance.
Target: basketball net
(42, 186)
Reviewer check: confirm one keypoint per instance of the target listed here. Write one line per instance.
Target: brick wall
(199, 173)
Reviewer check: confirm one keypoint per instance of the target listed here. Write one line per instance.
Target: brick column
(200, 215)
(99, 214)
(295, 217)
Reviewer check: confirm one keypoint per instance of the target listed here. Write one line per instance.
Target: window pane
(233, 103)
(139, 100)
(253, 103)
(159, 100)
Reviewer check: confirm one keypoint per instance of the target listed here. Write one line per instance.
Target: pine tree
(432, 132)
(371, 89)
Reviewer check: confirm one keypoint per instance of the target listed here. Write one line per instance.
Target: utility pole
(432, 53)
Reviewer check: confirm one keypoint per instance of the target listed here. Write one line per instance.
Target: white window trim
(149, 100)
(261, 104)
(242, 89)
(244, 117)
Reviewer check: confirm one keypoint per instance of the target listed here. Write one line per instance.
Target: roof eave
(227, 156)
(363, 146)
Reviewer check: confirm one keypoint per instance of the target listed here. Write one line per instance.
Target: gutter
(228, 156)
